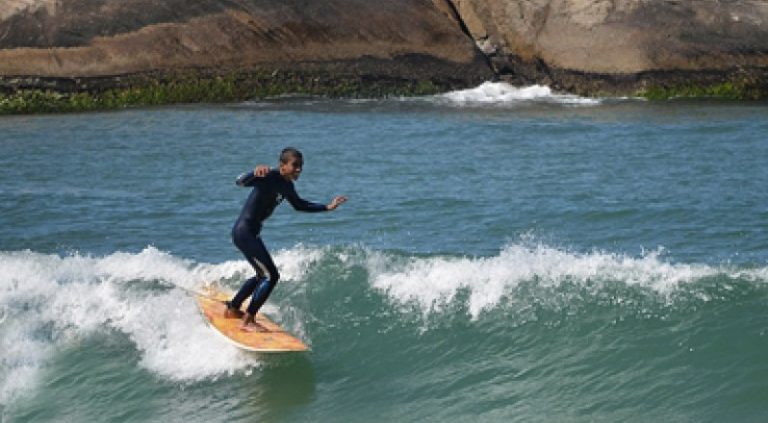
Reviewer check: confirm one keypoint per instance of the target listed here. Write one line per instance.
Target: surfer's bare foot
(250, 325)
(232, 313)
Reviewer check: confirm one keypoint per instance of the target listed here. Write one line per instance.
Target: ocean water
(506, 254)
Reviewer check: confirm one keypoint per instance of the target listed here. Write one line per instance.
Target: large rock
(583, 46)
(65, 40)
(615, 45)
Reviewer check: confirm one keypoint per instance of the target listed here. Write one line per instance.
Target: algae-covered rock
(95, 45)
(180, 50)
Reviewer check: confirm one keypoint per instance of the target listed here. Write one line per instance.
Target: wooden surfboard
(274, 339)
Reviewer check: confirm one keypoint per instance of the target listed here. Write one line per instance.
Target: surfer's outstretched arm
(247, 179)
(301, 204)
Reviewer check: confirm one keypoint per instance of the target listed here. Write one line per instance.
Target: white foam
(433, 282)
(20, 361)
(47, 301)
(294, 263)
(502, 93)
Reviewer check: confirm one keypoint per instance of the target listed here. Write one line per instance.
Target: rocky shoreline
(57, 94)
(651, 49)
(71, 55)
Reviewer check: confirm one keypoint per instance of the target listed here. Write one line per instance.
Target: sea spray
(433, 282)
(357, 300)
(505, 94)
(48, 302)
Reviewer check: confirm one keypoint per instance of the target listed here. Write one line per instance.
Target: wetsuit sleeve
(247, 179)
(301, 204)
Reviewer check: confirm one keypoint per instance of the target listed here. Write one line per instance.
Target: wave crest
(433, 282)
(49, 301)
(502, 93)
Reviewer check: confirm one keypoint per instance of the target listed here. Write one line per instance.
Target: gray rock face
(583, 46)
(619, 40)
(97, 38)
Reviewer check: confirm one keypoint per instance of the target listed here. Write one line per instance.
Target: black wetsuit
(267, 193)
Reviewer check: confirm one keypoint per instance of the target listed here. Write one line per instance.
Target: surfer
(270, 187)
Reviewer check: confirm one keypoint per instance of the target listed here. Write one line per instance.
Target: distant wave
(502, 93)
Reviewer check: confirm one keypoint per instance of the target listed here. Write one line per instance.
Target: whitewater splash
(502, 93)
(432, 283)
(48, 302)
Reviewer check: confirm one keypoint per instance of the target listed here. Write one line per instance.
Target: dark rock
(90, 44)
(622, 46)
(589, 47)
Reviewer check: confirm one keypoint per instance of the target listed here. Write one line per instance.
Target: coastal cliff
(610, 47)
(208, 50)
(83, 54)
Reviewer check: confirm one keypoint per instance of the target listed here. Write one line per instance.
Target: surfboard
(273, 339)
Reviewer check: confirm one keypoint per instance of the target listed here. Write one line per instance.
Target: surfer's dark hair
(289, 153)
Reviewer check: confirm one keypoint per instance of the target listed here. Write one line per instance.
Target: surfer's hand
(261, 171)
(336, 202)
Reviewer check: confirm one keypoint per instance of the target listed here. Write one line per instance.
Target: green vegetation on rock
(741, 90)
(193, 88)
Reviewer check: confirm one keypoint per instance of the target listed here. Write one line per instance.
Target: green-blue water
(505, 255)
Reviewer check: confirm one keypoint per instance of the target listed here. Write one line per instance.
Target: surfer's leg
(267, 284)
(233, 306)
(250, 245)
(261, 294)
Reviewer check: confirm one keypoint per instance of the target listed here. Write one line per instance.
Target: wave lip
(433, 282)
(502, 93)
(48, 302)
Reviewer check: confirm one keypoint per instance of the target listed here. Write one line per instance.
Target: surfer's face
(291, 170)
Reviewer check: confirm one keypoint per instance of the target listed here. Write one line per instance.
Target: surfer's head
(291, 163)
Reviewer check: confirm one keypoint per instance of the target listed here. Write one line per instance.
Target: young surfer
(270, 187)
